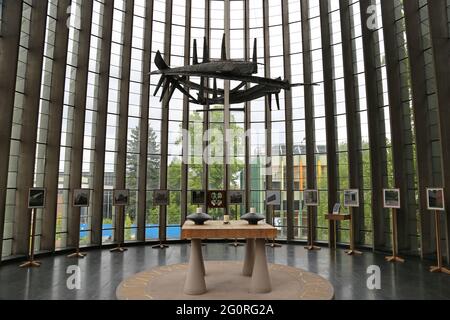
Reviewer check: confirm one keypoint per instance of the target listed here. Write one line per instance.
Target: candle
(226, 218)
(199, 210)
(252, 210)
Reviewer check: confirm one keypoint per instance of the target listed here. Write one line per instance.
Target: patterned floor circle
(224, 281)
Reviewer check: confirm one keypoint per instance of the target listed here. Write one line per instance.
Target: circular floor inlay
(224, 281)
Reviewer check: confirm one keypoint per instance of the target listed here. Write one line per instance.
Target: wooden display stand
(119, 247)
(31, 262)
(345, 217)
(352, 250)
(273, 244)
(335, 218)
(236, 244)
(439, 267)
(77, 253)
(160, 246)
(311, 246)
(394, 257)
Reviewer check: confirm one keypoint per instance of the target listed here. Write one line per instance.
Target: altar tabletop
(234, 230)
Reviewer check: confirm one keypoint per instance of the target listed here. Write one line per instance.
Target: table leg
(202, 260)
(195, 279)
(249, 261)
(260, 282)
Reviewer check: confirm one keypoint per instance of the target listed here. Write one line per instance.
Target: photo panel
(391, 198)
(198, 197)
(236, 197)
(311, 198)
(36, 198)
(161, 198)
(121, 198)
(435, 199)
(351, 198)
(217, 199)
(273, 197)
(81, 197)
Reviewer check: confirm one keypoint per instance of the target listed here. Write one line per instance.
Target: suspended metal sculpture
(250, 88)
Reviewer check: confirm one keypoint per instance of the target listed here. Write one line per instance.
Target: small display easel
(436, 204)
(120, 201)
(311, 198)
(394, 257)
(351, 200)
(31, 262)
(161, 198)
(335, 217)
(273, 198)
(81, 201)
(36, 200)
(236, 198)
(77, 253)
(391, 200)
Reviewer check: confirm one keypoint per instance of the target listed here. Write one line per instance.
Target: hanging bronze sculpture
(250, 87)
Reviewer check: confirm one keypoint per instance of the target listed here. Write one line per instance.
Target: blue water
(151, 231)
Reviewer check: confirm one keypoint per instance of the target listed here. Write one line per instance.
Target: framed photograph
(391, 198)
(217, 199)
(337, 208)
(161, 198)
(435, 199)
(311, 198)
(121, 198)
(81, 197)
(198, 197)
(36, 198)
(273, 198)
(236, 197)
(351, 198)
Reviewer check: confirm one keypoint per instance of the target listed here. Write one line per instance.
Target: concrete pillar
(9, 49)
(79, 115)
(353, 129)
(54, 128)
(309, 114)
(440, 39)
(30, 118)
(329, 113)
(289, 125)
(145, 104)
(100, 129)
(123, 117)
(421, 120)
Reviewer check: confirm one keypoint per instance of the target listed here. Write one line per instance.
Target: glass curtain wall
(267, 155)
